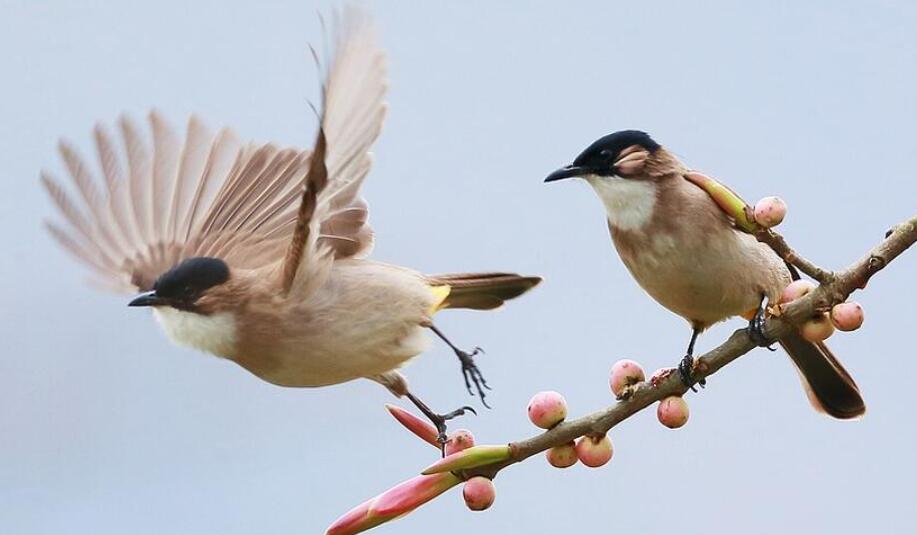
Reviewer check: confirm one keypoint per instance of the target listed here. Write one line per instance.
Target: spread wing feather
(211, 195)
(181, 199)
(333, 217)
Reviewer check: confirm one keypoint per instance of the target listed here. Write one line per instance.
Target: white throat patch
(214, 334)
(629, 203)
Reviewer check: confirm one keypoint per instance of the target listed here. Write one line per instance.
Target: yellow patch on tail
(440, 294)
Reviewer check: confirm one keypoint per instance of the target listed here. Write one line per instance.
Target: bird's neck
(212, 333)
(629, 203)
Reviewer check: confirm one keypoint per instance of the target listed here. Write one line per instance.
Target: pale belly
(329, 361)
(367, 321)
(706, 280)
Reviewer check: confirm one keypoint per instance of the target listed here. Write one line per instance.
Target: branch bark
(834, 289)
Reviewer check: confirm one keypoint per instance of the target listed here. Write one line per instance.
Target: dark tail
(482, 291)
(830, 388)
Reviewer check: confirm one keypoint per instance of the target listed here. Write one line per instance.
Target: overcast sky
(106, 427)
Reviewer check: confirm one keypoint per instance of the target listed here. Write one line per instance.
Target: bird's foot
(439, 420)
(758, 332)
(472, 373)
(686, 372)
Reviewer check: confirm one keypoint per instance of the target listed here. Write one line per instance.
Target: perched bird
(687, 254)
(258, 254)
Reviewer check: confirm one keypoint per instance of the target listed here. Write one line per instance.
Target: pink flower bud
(547, 409)
(479, 493)
(847, 316)
(422, 428)
(770, 211)
(817, 329)
(795, 290)
(393, 503)
(594, 451)
(672, 412)
(624, 373)
(562, 456)
(459, 440)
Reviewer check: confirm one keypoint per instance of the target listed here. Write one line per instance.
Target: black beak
(569, 171)
(148, 299)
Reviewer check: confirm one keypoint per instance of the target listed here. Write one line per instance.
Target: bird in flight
(258, 254)
(689, 256)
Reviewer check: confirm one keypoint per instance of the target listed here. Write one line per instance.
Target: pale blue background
(105, 427)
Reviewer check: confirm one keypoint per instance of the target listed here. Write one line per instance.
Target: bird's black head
(184, 284)
(604, 155)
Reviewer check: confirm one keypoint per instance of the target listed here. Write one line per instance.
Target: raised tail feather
(482, 291)
(830, 388)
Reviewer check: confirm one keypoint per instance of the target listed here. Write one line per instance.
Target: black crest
(605, 150)
(186, 281)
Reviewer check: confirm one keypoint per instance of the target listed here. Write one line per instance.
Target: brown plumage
(687, 254)
(258, 253)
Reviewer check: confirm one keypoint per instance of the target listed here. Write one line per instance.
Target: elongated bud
(393, 503)
(419, 427)
(728, 200)
(473, 457)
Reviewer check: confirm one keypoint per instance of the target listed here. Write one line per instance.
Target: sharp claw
(686, 372)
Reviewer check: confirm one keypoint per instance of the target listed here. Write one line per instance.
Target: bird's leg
(756, 330)
(686, 366)
(438, 420)
(470, 370)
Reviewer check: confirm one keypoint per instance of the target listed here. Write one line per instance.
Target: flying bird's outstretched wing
(206, 195)
(210, 195)
(332, 216)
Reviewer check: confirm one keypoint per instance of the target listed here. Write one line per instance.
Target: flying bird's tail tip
(483, 291)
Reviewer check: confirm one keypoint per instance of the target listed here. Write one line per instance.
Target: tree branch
(790, 256)
(835, 288)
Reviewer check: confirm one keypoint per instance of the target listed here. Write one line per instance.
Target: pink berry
(847, 316)
(562, 456)
(479, 493)
(594, 451)
(770, 211)
(459, 440)
(624, 373)
(795, 290)
(817, 329)
(547, 409)
(672, 412)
